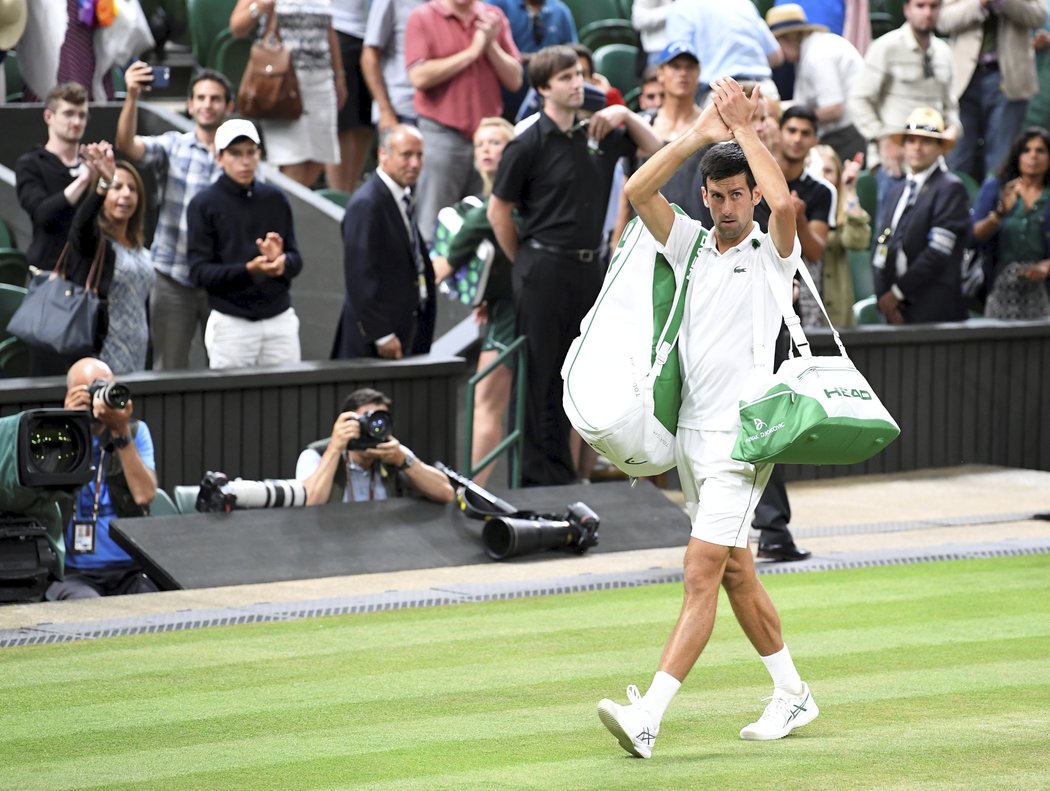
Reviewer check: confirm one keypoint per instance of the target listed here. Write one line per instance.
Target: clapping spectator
(303, 147)
(1011, 220)
(112, 215)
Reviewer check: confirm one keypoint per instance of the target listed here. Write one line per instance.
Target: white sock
(782, 669)
(660, 693)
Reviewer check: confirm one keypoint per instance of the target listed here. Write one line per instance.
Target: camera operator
(335, 470)
(124, 486)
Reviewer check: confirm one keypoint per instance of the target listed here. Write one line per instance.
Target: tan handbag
(269, 87)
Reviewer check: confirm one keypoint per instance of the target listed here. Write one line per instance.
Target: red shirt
(433, 31)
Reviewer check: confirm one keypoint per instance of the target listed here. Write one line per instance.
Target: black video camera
(113, 394)
(377, 425)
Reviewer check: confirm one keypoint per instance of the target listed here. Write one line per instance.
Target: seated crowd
(462, 196)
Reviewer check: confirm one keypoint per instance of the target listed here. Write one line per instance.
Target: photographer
(338, 469)
(124, 486)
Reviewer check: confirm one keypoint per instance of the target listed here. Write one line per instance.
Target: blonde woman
(462, 231)
(852, 231)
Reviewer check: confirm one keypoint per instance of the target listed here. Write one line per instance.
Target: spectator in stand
(534, 24)
(731, 40)
(651, 96)
(354, 121)
(649, 18)
(112, 215)
(1011, 221)
(464, 238)
(185, 164)
(813, 198)
(852, 231)
(122, 451)
(924, 222)
(50, 180)
(303, 147)
(994, 75)
(599, 81)
(562, 193)
(828, 14)
(242, 249)
(459, 54)
(906, 68)
(383, 62)
(388, 308)
(825, 68)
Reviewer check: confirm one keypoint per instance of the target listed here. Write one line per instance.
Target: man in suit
(389, 308)
(922, 230)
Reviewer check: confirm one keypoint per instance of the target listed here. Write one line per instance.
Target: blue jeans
(990, 123)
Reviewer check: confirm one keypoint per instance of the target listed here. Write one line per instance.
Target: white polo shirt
(715, 344)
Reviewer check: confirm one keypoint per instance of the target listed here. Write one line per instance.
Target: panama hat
(13, 14)
(790, 18)
(924, 122)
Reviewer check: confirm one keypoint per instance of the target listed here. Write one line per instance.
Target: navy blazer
(932, 234)
(382, 296)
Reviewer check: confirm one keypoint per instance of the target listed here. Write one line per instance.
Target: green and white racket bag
(813, 410)
(623, 384)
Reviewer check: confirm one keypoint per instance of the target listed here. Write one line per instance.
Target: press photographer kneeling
(123, 486)
(361, 460)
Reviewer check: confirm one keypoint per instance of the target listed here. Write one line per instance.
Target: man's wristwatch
(121, 442)
(410, 459)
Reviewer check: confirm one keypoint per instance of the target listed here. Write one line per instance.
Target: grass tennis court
(929, 676)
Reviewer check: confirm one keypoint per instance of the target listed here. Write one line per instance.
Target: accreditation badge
(83, 537)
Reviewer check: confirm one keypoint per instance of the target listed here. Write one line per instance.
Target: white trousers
(234, 342)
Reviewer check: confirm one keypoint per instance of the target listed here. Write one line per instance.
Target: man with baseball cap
(922, 229)
(242, 250)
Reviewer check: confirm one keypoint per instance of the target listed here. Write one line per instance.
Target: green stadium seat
(861, 273)
(7, 236)
(586, 12)
(335, 196)
(866, 312)
(162, 504)
(14, 358)
(207, 18)
(13, 78)
(10, 299)
(186, 499)
(14, 268)
(612, 31)
(868, 195)
(970, 183)
(618, 63)
(230, 55)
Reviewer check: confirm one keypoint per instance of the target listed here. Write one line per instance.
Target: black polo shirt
(559, 183)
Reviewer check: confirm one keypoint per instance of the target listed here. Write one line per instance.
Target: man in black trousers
(558, 172)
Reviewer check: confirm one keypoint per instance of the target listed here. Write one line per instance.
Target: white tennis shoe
(632, 725)
(784, 713)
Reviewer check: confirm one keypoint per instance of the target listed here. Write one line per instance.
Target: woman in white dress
(301, 148)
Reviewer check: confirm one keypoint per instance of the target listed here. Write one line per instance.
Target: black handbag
(58, 315)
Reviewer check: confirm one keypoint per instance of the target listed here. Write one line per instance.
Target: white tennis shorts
(720, 492)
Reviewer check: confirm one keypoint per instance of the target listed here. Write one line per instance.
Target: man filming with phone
(363, 460)
(124, 485)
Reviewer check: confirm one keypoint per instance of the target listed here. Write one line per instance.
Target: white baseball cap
(234, 129)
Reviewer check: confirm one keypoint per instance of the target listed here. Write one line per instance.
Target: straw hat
(924, 122)
(790, 18)
(13, 14)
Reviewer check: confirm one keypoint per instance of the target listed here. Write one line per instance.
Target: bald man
(125, 483)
